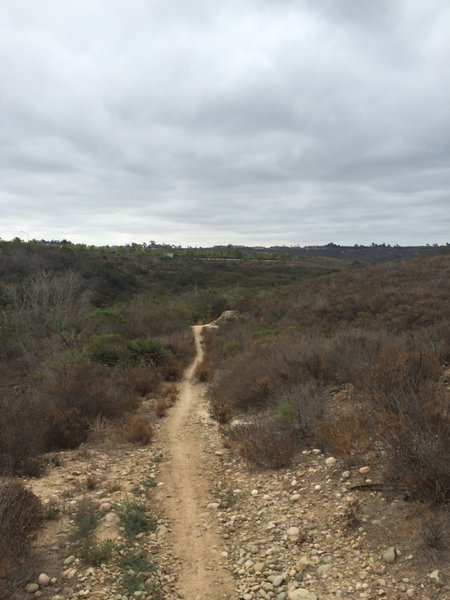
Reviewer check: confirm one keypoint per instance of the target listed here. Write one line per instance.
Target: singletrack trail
(186, 492)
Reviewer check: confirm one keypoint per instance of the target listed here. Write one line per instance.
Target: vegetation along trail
(186, 492)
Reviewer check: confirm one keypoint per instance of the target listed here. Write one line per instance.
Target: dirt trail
(186, 493)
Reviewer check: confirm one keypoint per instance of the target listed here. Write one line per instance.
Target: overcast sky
(248, 121)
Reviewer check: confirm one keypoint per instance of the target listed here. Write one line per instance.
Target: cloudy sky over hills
(250, 121)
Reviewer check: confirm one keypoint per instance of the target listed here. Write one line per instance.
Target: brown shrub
(434, 533)
(23, 426)
(160, 407)
(412, 413)
(91, 389)
(221, 410)
(171, 394)
(248, 380)
(264, 445)
(270, 366)
(68, 428)
(181, 345)
(204, 371)
(21, 514)
(139, 431)
(350, 434)
(91, 481)
(418, 447)
(402, 366)
(352, 514)
(102, 430)
(143, 380)
(173, 370)
(80, 393)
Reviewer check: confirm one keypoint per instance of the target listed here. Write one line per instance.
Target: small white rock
(44, 580)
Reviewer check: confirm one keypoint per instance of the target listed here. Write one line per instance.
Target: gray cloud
(249, 122)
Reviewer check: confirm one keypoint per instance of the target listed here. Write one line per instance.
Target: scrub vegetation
(87, 333)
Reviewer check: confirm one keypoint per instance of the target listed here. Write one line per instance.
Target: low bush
(264, 445)
(80, 393)
(143, 380)
(95, 553)
(226, 497)
(434, 533)
(86, 519)
(352, 514)
(135, 518)
(138, 563)
(147, 352)
(204, 371)
(181, 345)
(139, 431)
(107, 348)
(24, 424)
(349, 433)
(91, 481)
(171, 394)
(160, 407)
(68, 428)
(137, 569)
(301, 407)
(221, 410)
(172, 370)
(21, 515)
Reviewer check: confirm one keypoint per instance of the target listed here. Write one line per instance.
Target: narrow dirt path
(186, 493)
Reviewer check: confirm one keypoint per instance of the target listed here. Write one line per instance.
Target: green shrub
(301, 407)
(147, 352)
(86, 519)
(107, 348)
(135, 518)
(287, 414)
(135, 560)
(95, 553)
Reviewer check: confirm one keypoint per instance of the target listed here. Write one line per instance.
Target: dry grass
(143, 380)
(91, 481)
(160, 407)
(352, 514)
(171, 394)
(434, 534)
(113, 486)
(139, 431)
(263, 445)
(221, 410)
(101, 430)
(21, 515)
(23, 426)
(204, 371)
(349, 432)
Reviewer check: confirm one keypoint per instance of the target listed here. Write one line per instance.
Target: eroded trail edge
(189, 442)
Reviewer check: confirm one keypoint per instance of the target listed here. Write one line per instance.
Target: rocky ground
(300, 533)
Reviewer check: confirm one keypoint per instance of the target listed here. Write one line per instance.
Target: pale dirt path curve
(186, 493)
